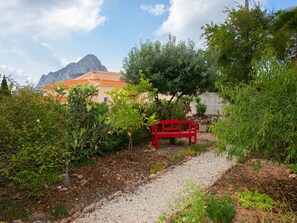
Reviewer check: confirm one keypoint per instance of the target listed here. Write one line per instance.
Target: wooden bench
(174, 129)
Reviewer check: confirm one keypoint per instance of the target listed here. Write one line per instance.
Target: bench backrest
(174, 125)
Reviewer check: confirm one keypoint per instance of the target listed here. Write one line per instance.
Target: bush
(220, 210)
(262, 115)
(87, 127)
(200, 108)
(32, 141)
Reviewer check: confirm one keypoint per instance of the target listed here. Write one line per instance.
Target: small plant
(177, 157)
(13, 210)
(257, 200)
(220, 210)
(257, 165)
(59, 211)
(293, 167)
(198, 147)
(193, 208)
(159, 166)
(200, 108)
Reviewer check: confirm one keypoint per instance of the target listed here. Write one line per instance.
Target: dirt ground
(125, 170)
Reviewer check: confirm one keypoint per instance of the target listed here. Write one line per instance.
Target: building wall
(213, 102)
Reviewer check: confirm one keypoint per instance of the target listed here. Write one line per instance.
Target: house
(105, 81)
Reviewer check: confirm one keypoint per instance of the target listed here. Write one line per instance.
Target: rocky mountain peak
(72, 70)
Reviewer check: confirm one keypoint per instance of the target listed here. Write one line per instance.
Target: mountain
(72, 70)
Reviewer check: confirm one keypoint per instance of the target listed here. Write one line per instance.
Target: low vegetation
(198, 207)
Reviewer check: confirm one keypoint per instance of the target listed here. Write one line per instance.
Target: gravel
(159, 196)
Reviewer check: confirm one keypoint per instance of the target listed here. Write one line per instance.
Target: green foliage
(59, 211)
(4, 90)
(198, 147)
(177, 157)
(245, 35)
(193, 208)
(174, 68)
(257, 200)
(256, 164)
(86, 122)
(13, 210)
(262, 116)
(199, 208)
(32, 141)
(127, 106)
(159, 166)
(293, 167)
(220, 210)
(200, 108)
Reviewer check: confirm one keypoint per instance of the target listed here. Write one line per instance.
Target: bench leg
(155, 142)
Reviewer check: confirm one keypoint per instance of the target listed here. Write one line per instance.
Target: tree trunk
(246, 5)
(67, 180)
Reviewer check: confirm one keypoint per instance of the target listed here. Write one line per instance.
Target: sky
(42, 36)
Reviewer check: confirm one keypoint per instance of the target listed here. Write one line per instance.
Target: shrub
(200, 108)
(220, 210)
(262, 115)
(86, 123)
(32, 141)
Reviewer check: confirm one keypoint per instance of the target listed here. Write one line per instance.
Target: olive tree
(174, 68)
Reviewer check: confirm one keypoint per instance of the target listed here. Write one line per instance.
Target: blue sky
(39, 36)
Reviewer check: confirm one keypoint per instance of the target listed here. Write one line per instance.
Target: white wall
(212, 101)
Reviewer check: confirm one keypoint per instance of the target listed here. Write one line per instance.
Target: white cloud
(187, 17)
(51, 18)
(157, 10)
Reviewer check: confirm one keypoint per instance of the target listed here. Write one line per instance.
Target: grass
(59, 211)
(201, 208)
(159, 166)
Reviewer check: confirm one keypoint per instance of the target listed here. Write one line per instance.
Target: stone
(89, 208)
(37, 216)
(152, 176)
(64, 189)
(76, 215)
(146, 151)
(17, 221)
(117, 194)
(66, 220)
(289, 171)
(293, 176)
(83, 182)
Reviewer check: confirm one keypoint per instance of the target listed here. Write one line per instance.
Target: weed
(293, 167)
(13, 211)
(177, 157)
(193, 208)
(220, 210)
(257, 200)
(198, 147)
(257, 165)
(59, 211)
(149, 146)
(159, 166)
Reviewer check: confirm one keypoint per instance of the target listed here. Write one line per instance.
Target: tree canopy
(174, 68)
(262, 118)
(244, 35)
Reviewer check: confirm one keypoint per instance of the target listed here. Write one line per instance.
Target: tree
(174, 68)
(242, 37)
(262, 119)
(127, 106)
(284, 30)
(4, 87)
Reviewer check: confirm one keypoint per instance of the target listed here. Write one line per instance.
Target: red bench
(174, 129)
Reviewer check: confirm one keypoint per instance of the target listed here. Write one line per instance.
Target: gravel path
(150, 200)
